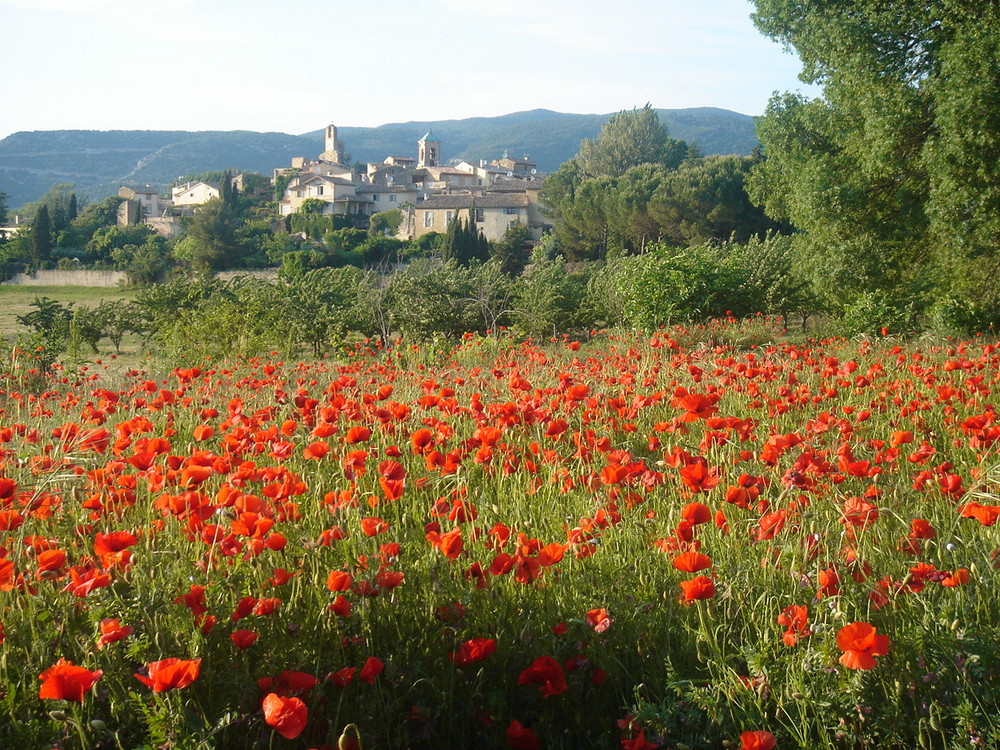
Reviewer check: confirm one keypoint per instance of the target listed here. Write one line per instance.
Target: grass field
(16, 300)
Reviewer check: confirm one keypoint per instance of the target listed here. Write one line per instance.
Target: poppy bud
(58, 715)
(347, 742)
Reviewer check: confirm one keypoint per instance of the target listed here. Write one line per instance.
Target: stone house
(194, 193)
(492, 213)
(147, 198)
(341, 195)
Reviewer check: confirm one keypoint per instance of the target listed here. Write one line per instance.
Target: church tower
(334, 148)
(429, 150)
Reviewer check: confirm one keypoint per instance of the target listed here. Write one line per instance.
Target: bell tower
(429, 150)
(334, 148)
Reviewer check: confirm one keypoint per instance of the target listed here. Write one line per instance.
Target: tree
(210, 243)
(705, 200)
(598, 199)
(513, 251)
(41, 237)
(628, 139)
(893, 172)
(3, 208)
(464, 242)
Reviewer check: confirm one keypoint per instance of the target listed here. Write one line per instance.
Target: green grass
(16, 300)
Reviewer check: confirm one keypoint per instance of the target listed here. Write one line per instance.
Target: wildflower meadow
(636, 541)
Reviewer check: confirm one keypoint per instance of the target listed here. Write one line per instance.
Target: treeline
(320, 311)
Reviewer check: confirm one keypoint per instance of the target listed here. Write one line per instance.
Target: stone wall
(70, 278)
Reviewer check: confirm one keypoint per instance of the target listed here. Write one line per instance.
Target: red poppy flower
(371, 669)
(244, 638)
(67, 682)
(598, 619)
(170, 674)
(692, 562)
(339, 580)
(699, 587)
(795, 618)
(520, 737)
(288, 683)
(471, 651)
(757, 740)
(112, 630)
(357, 434)
(861, 645)
(286, 716)
(343, 677)
(546, 673)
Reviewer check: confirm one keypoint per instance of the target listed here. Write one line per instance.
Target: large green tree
(705, 200)
(581, 197)
(893, 172)
(628, 139)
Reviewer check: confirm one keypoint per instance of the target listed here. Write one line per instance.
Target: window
(392, 198)
(428, 218)
(511, 210)
(479, 216)
(375, 197)
(448, 216)
(319, 190)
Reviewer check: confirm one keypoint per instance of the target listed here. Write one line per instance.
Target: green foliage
(705, 200)
(313, 224)
(774, 282)
(145, 263)
(893, 185)
(95, 216)
(549, 299)
(430, 298)
(386, 222)
(513, 251)
(49, 323)
(107, 240)
(628, 139)
(211, 242)
(41, 237)
(672, 286)
(464, 242)
(313, 206)
(320, 307)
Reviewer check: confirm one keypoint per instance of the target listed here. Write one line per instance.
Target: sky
(294, 67)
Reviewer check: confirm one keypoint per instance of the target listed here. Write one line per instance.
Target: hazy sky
(295, 66)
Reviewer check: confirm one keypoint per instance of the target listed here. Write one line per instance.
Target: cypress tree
(73, 209)
(41, 237)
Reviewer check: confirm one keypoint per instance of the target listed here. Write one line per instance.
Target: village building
(515, 167)
(194, 193)
(388, 197)
(147, 199)
(492, 213)
(430, 194)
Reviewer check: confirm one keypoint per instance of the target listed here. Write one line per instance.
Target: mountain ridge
(99, 161)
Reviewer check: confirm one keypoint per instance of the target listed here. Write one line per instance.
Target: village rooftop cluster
(429, 195)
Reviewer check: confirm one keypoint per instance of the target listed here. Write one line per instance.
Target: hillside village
(427, 193)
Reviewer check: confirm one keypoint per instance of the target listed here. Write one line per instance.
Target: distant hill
(98, 162)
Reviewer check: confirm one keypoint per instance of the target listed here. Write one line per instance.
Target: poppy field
(637, 541)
